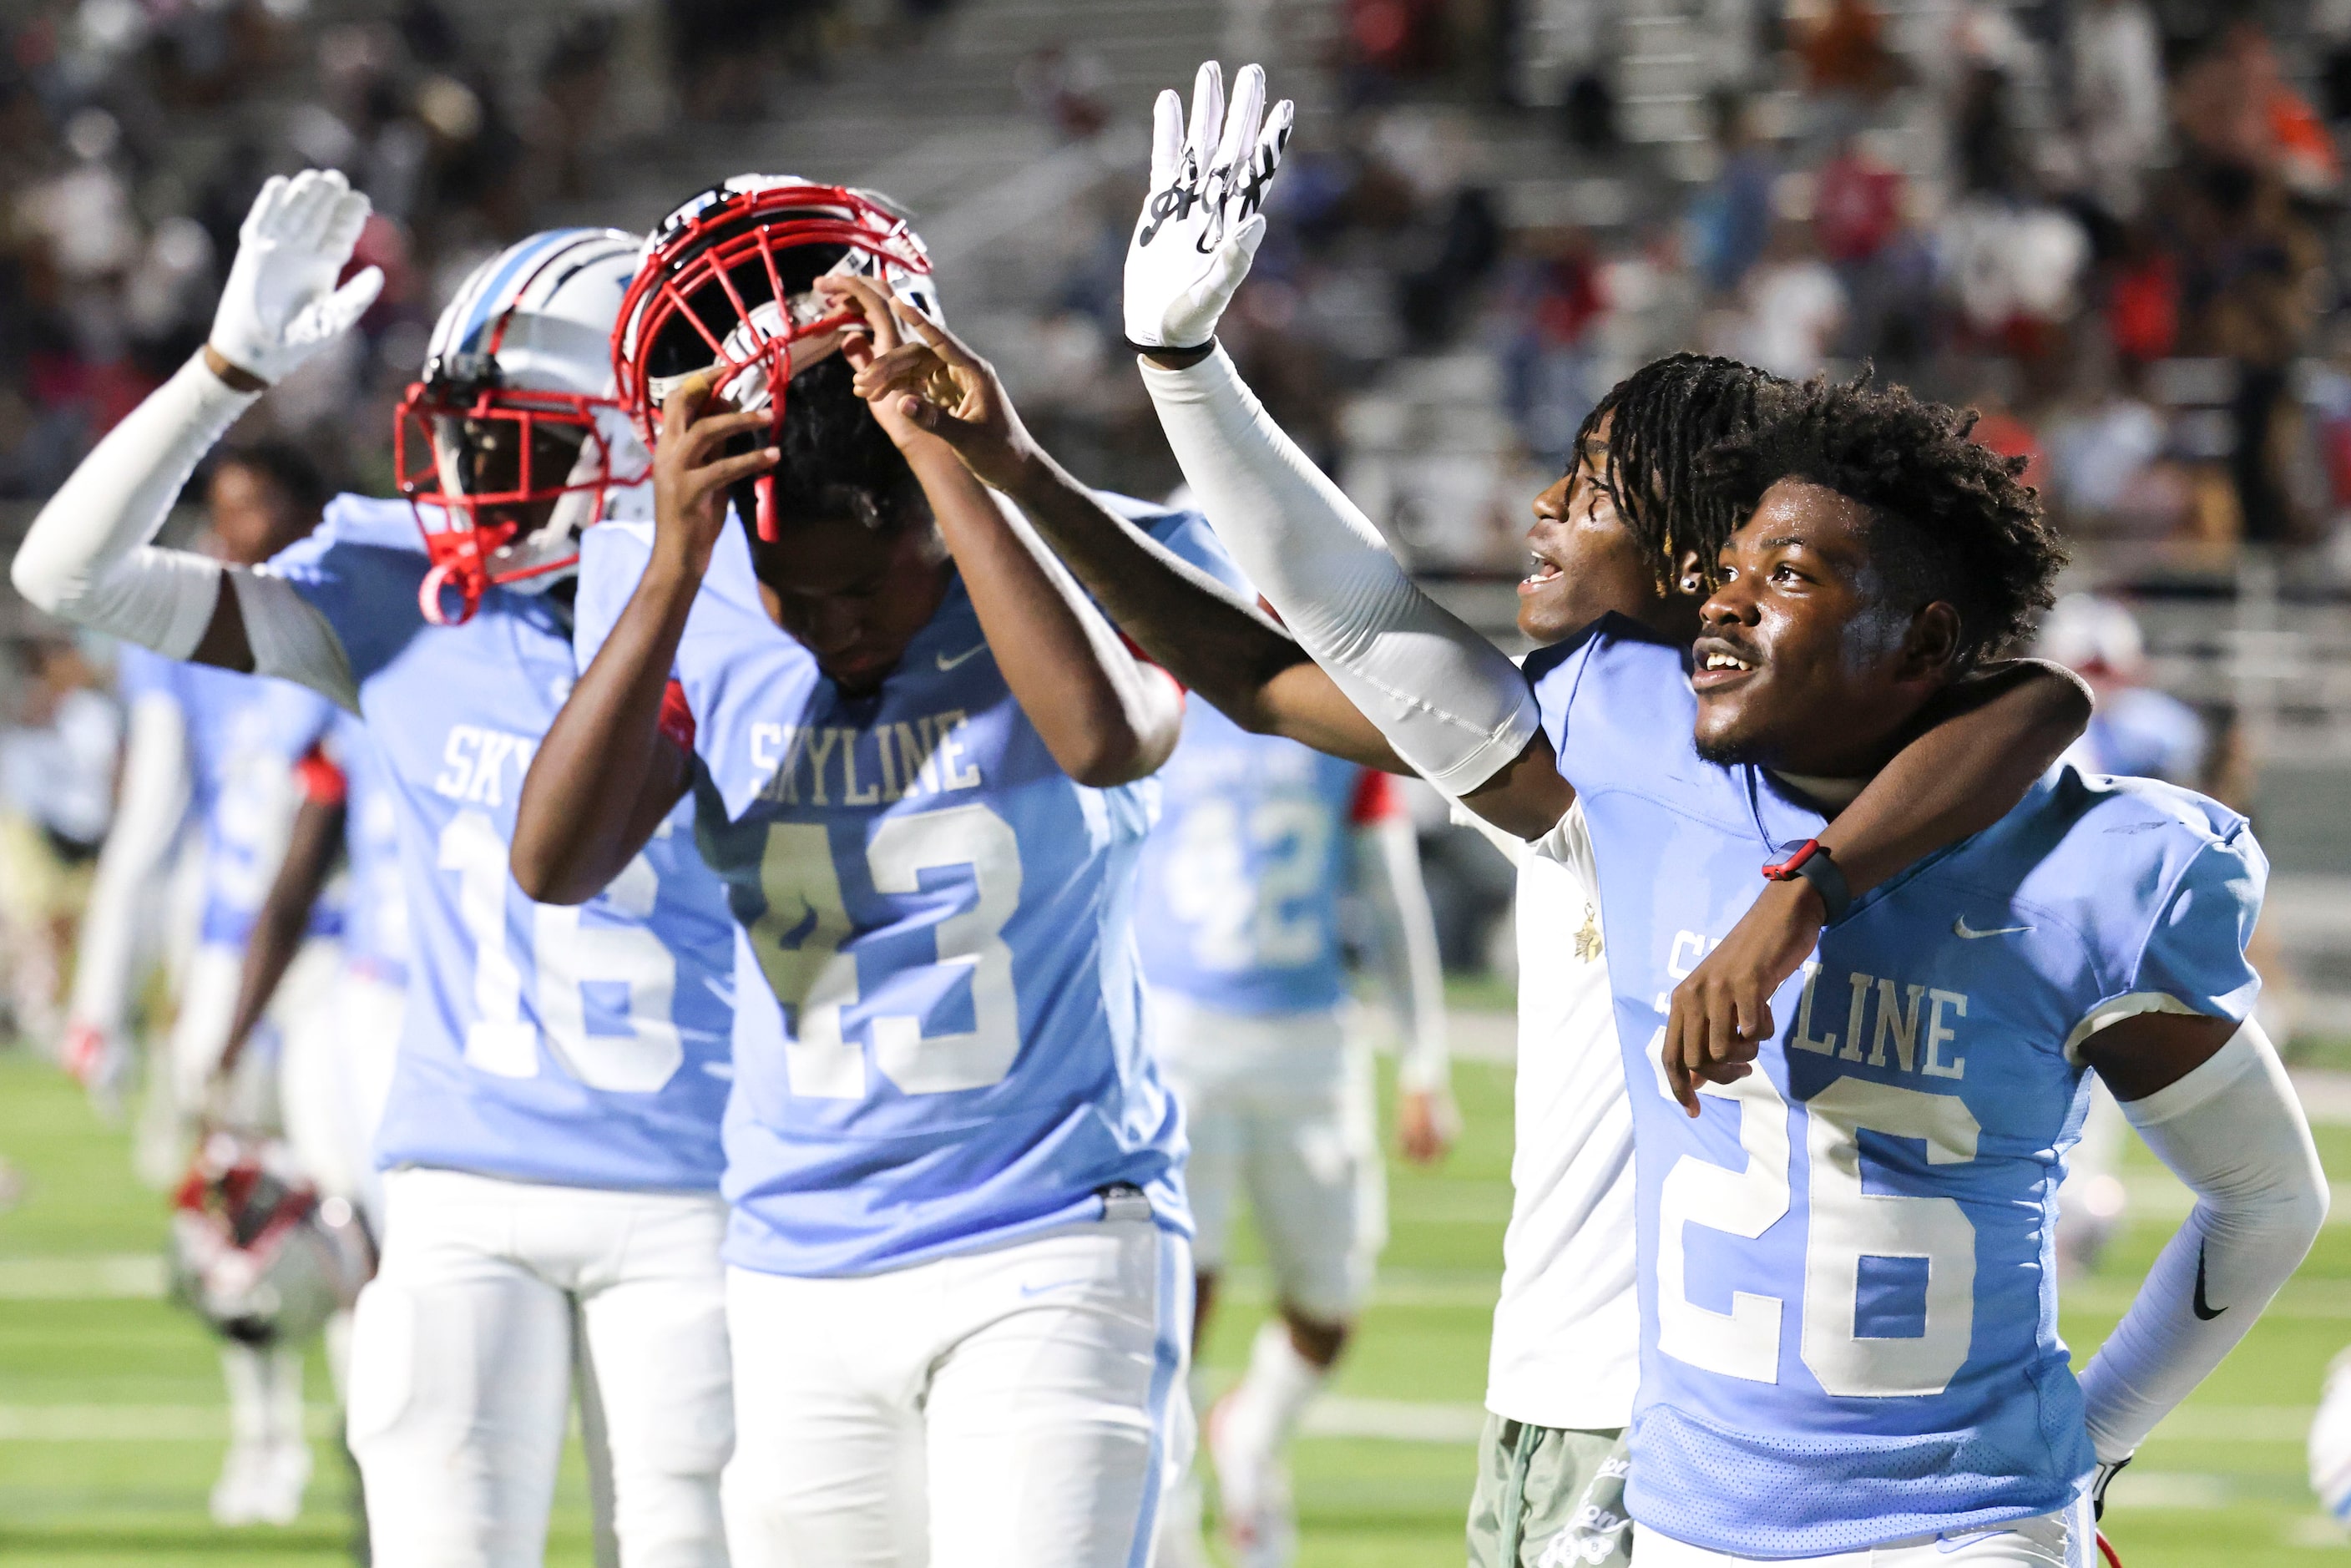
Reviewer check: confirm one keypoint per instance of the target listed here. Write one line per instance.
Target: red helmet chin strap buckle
(765, 486)
(458, 563)
(437, 583)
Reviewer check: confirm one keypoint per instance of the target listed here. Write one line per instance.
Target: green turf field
(110, 1429)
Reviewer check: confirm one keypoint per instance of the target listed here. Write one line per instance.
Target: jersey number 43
(804, 944)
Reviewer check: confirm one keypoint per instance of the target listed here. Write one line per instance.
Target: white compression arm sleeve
(146, 820)
(1387, 874)
(2234, 1131)
(1445, 698)
(86, 557)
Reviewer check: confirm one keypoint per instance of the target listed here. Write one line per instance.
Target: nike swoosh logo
(1027, 1291)
(948, 662)
(1960, 928)
(2203, 1309)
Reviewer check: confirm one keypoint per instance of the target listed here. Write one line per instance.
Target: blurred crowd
(139, 130)
(2114, 227)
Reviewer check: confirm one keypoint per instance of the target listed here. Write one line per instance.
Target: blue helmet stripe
(521, 256)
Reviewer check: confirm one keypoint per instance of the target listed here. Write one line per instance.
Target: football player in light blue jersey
(332, 1107)
(960, 1280)
(1847, 1291)
(212, 766)
(1626, 529)
(1847, 1226)
(552, 1140)
(1238, 916)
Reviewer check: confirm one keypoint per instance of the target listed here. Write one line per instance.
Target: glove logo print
(2204, 1310)
(1204, 218)
(1176, 201)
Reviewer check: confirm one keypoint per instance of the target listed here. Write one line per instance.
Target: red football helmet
(514, 419)
(727, 280)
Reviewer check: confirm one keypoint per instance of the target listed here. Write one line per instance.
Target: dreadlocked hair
(1951, 520)
(1658, 426)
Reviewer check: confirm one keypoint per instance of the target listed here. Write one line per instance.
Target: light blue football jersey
(375, 903)
(939, 1042)
(1239, 903)
(584, 1047)
(1847, 1264)
(244, 734)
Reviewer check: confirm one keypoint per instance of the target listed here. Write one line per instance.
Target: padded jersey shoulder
(361, 569)
(2160, 886)
(1616, 704)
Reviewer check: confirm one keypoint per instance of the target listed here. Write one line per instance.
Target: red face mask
(717, 276)
(483, 465)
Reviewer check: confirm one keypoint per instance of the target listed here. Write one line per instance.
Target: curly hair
(1657, 427)
(836, 460)
(1951, 520)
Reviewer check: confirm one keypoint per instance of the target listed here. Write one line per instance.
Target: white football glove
(280, 305)
(1200, 225)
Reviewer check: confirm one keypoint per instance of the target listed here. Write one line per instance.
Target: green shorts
(1548, 1499)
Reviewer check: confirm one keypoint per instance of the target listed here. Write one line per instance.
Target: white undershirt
(1567, 1329)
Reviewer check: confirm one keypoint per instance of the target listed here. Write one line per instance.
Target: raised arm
(1107, 717)
(605, 774)
(1446, 699)
(1985, 743)
(1202, 631)
(86, 557)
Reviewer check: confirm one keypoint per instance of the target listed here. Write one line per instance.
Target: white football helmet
(515, 415)
(256, 1251)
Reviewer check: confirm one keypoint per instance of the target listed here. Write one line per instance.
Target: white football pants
(334, 1075)
(2066, 1538)
(461, 1357)
(1018, 1408)
(207, 1005)
(1281, 1111)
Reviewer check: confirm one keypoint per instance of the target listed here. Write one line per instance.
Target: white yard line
(1334, 1416)
(1392, 1420)
(97, 1276)
(135, 1423)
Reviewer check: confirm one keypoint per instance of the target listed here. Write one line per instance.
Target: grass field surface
(111, 1427)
